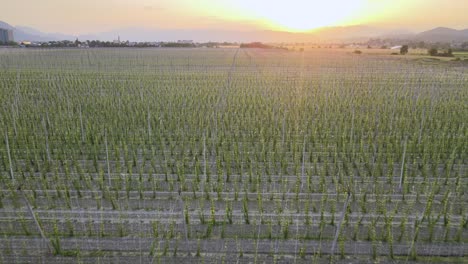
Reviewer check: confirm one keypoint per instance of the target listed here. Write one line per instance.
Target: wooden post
(107, 159)
(9, 156)
(49, 247)
(402, 165)
(337, 233)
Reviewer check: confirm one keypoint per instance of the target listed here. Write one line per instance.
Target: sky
(92, 16)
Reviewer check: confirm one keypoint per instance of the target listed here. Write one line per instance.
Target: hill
(443, 34)
(21, 33)
(356, 33)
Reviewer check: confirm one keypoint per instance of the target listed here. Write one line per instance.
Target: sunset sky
(87, 16)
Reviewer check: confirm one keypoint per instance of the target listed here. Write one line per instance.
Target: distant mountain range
(21, 33)
(325, 34)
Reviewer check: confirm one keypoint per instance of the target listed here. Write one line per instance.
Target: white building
(117, 41)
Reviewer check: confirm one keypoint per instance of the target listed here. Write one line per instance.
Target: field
(461, 54)
(231, 156)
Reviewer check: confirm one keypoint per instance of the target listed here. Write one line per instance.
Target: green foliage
(432, 52)
(404, 50)
(106, 144)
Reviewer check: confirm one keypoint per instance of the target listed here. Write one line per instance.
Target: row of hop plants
(327, 205)
(239, 166)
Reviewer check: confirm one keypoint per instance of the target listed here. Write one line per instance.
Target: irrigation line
(13, 116)
(337, 233)
(46, 135)
(204, 164)
(416, 231)
(283, 128)
(17, 91)
(107, 160)
(421, 125)
(182, 208)
(303, 164)
(9, 156)
(402, 165)
(147, 216)
(352, 134)
(149, 122)
(256, 241)
(81, 126)
(35, 220)
(295, 245)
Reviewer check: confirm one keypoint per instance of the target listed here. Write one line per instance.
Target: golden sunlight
(302, 15)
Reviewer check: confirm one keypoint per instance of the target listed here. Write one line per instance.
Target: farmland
(231, 156)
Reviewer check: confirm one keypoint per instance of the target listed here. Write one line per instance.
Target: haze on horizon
(90, 16)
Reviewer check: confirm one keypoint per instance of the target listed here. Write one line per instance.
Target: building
(185, 41)
(6, 35)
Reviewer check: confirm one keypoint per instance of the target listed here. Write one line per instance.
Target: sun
(302, 15)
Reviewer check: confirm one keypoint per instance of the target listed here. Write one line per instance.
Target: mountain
(338, 34)
(21, 33)
(349, 33)
(6, 25)
(357, 33)
(48, 36)
(443, 34)
(199, 35)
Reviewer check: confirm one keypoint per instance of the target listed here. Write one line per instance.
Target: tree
(449, 53)
(404, 49)
(432, 52)
(421, 45)
(464, 45)
(9, 43)
(77, 42)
